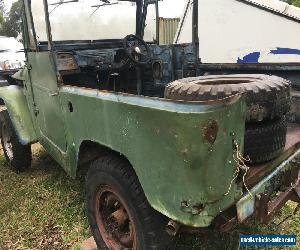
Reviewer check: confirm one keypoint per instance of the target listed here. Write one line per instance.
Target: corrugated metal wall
(167, 29)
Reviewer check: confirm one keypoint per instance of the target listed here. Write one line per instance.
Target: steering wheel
(137, 49)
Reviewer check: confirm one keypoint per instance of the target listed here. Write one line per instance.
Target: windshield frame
(144, 18)
(138, 29)
(141, 15)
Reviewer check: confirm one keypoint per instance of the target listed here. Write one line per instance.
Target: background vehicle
(12, 57)
(248, 36)
(160, 161)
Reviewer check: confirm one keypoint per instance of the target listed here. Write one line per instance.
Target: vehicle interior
(99, 55)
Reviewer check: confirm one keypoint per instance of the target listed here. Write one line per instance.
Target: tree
(2, 9)
(1, 13)
(12, 24)
(293, 2)
(1, 20)
(296, 3)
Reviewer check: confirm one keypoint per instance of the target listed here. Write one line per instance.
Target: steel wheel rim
(114, 222)
(7, 145)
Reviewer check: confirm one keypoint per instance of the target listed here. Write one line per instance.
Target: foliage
(2, 6)
(296, 2)
(1, 20)
(11, 26)
(41, 208)
(293, 2)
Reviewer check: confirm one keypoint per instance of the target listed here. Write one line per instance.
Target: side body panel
(184, 174)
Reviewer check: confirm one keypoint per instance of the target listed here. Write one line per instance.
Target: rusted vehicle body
(161, 164)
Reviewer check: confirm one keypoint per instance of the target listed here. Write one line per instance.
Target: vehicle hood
(16, 59)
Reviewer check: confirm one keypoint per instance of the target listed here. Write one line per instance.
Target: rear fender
(16, 104)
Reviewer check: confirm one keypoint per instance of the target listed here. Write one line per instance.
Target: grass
(41, 208)
(44, 209)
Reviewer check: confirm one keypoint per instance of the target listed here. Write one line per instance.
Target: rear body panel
(184, 173)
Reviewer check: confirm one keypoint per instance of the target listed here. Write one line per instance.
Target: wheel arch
(16, 104)
(90, 150)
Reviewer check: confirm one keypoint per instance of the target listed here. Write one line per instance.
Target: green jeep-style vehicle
(172, 150)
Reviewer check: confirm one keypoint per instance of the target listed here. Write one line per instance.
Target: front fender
(21, 75)
(16, 104)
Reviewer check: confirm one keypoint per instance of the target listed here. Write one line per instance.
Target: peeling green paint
(164, 143)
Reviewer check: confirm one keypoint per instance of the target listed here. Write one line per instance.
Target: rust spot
(198, 208)
(210, 131)
(184, 204)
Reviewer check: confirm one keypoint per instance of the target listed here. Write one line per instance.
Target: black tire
(19, 156)
(3, 83)
(115, 174)
(268, 97)
(265, 141)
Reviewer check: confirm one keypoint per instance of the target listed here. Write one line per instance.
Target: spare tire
(267, 97)
(265, 141)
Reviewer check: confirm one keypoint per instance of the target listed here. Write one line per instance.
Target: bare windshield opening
(85, 19)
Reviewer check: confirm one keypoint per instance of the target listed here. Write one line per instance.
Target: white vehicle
(12, 55)
(244, 31)
(245, 36)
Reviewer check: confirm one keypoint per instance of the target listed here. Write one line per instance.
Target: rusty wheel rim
(114, 220)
